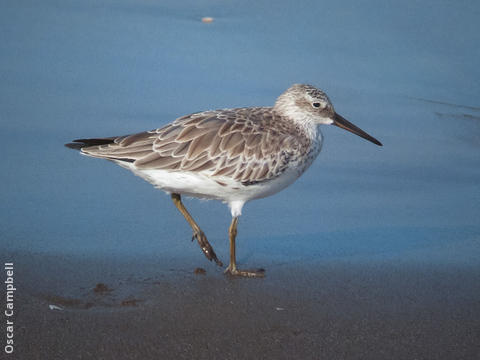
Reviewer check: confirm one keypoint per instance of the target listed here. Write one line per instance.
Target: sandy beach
(152, 310)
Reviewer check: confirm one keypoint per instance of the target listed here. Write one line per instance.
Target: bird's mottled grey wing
(237, 143)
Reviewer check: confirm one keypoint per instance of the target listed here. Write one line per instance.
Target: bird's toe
(206, 247)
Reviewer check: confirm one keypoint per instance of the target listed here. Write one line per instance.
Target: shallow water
(406, 73)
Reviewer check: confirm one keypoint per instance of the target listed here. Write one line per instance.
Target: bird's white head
(306, 103)
(311, 106)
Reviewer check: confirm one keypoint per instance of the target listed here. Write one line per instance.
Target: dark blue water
(407, 73)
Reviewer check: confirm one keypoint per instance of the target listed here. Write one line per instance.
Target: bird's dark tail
(81, 143)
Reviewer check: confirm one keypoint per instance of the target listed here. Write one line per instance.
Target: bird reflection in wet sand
(231, 155)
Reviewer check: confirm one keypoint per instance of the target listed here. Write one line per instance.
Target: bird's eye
(316, 104)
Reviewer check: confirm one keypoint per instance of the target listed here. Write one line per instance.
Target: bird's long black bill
(343, 123)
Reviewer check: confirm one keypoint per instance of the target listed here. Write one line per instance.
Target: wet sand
(159, 309)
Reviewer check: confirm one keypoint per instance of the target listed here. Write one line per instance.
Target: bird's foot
(206, 247)
(233, 271)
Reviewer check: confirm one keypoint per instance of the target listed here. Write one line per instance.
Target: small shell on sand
(207, 19)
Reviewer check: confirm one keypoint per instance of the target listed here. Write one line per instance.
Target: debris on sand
(101, 288)
(200, 271)
(130, 302)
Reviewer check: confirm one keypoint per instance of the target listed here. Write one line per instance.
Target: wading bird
(231, 155)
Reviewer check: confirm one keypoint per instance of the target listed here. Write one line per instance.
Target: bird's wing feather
(230, 143)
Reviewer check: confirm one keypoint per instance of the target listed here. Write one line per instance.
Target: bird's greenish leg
(232, 267)
(197, 232)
